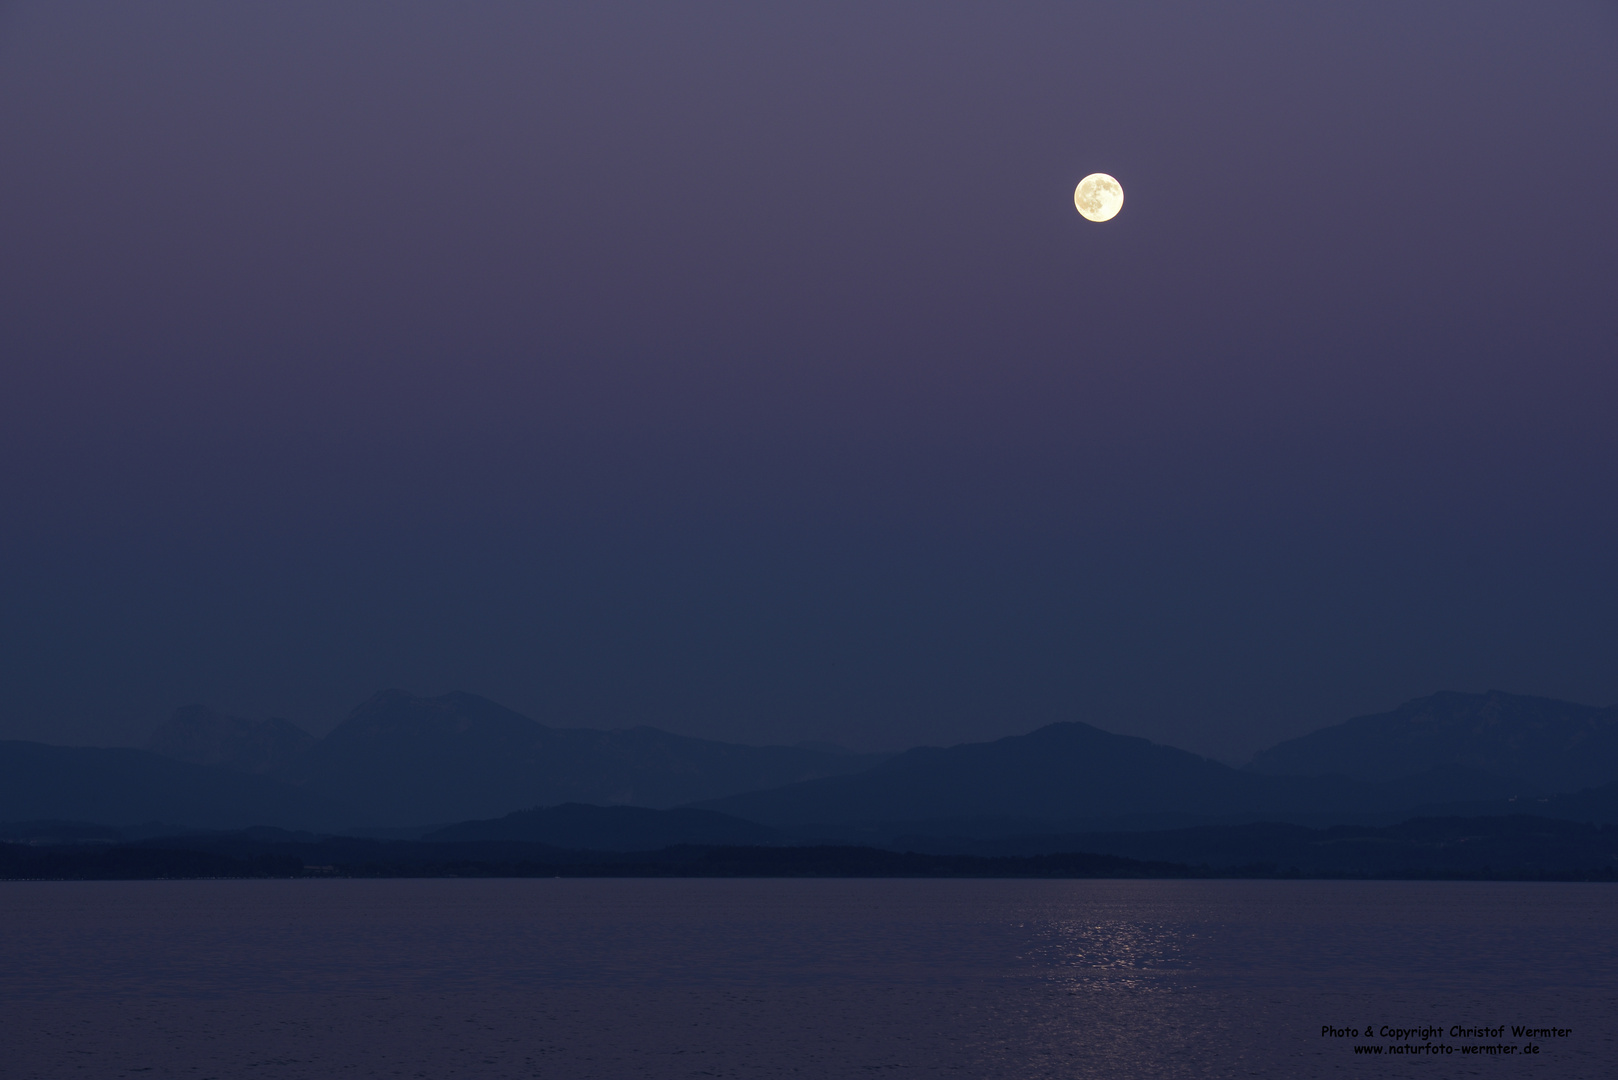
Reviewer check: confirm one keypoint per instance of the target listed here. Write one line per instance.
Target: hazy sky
(745, 370)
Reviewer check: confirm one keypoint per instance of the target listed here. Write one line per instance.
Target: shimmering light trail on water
(747, 978)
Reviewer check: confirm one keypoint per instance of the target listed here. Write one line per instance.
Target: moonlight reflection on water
(761, 978)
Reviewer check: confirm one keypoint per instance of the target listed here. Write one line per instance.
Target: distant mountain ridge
(1062, 772)
(404, 762)
(1548, 746)
(1447, 748)
(201, 736)
(402, 759)
(124, 786)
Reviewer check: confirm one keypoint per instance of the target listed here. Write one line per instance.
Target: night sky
(745, 370)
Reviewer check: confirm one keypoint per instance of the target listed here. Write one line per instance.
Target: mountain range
(1547, 746)
(400, 761)
(124, 787)
(1444, 749)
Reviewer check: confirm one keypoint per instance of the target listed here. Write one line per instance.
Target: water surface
(793, 978)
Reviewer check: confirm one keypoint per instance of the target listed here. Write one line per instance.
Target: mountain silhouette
(1062, 772)
(412, 760)
(203, 737)
(1547, 746)
(400, 760)
(1597, 805)
(122, 786)
(1078, 775)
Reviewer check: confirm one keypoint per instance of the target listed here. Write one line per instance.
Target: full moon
(1099, 197)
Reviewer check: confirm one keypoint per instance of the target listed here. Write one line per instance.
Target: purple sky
(745, 369)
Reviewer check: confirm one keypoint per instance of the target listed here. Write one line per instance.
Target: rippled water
(820, 978)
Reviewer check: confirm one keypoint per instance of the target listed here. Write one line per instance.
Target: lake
(801, 978)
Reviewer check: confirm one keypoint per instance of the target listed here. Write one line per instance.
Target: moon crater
(1099, 197)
